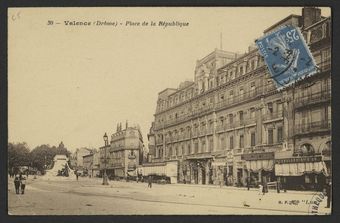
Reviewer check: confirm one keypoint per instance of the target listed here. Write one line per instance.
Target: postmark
(287, 55)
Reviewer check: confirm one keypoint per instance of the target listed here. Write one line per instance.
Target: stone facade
(218, 125)
(124, 153)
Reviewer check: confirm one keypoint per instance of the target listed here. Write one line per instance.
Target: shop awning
(257, 165)
(298, 169)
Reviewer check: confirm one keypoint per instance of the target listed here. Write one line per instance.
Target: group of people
(19, 183)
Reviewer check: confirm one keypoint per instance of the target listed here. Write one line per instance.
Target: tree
(18, 155)
(42, 156)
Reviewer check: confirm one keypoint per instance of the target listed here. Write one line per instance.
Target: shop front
(302, 173)
(260, 168)
(199, 170)
(219, 171)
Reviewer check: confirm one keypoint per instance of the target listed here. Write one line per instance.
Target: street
(88, 197)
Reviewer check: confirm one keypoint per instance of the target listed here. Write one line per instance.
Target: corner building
(231, 125)
(123, 154)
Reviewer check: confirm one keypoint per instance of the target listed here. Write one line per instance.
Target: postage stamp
(287, 55)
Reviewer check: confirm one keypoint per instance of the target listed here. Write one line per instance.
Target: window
(252, 86)
(232, 75)
(241, 92)
(279, 134)
(189, 148)
(221, 121)
(241, 117)
(252, 113)
(231, 94)
(211, 144)
(252, 139)
(196, 147)
(182, 152)
(222, 143)
(231, 118)
(231, 142)
(279, 107)
(241, 69)
(203, 146)
(270, 136)
(241, 141)
(270, 108)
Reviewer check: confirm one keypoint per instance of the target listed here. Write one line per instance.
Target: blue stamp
(287, 55)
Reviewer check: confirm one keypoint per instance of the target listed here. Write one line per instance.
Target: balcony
(203, 110)
(268, 147)
(202, 132)
(249, 121)
(238, 99)
(313, 127)
(273, 115)
(210, 131)
(220, 128)
(313, 99)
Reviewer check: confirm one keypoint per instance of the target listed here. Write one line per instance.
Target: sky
(74, 83)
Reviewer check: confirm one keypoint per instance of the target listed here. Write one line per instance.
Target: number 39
(291, 35)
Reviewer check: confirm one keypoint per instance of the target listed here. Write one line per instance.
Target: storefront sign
(307, 159)
(258, 156)
(219, 163)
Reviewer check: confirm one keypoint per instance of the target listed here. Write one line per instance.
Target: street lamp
(105, 181)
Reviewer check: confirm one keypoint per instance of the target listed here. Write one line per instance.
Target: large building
(76, 159)
(231, 124)
(124, 153)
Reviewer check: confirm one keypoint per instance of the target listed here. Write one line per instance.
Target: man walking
(248, 182)
(150, 181)
(17, 183)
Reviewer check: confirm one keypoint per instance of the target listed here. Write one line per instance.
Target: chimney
(310, 15)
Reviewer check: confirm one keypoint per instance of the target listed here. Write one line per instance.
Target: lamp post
(105, 181)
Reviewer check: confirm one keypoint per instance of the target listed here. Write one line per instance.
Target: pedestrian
(17, 183)
(248, 183)
(150, 181)
(329, 193)
(23, 184)
(261, 193)
(77, 176)
(260, 189)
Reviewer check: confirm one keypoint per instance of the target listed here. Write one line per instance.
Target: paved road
(89, 197)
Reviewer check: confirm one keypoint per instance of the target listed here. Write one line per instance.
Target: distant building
(87, 163)
(123, 153)
(77, 158)
(91, 163)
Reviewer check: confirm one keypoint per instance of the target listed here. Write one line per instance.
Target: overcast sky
(73, 84)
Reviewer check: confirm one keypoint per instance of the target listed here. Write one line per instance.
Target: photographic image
(169, 111)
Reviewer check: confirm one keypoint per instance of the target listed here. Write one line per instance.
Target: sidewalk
(241, 188)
